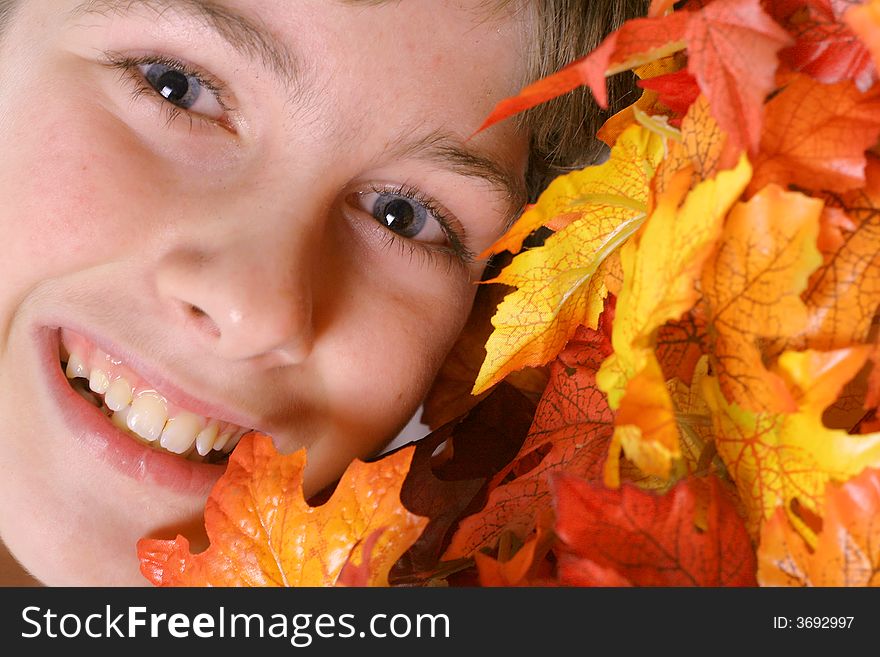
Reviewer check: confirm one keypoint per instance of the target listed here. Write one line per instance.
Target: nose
(246, 301)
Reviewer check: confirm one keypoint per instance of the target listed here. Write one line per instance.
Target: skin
(236, 257)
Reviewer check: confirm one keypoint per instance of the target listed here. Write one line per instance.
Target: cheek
(71, 195)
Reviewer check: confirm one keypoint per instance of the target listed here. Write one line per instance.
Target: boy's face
(238, 215)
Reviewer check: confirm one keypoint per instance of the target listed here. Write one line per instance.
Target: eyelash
(129, 69)
(457, 252)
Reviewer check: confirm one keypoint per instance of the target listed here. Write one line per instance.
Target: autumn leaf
(524, 568)
(777, 458)
(752, 286)
(446, 488)
(864, 20)
(690, 536)
(660, 269)
(571, 431)
(680, 345)
(825, 47)
(645, 424)
(843, 295)
(847, 549)
(638, 41)
(450, 394)
(730, 42)
(815, 136)
(263, 533)
(560, 285)
(612, 192)
(677, 90)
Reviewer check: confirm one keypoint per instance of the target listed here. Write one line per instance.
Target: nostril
(201, 320)
(197, 312)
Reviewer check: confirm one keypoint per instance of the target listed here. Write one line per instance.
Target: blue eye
(183, 89)
(401, 215)
(173, 85)
(407, 216)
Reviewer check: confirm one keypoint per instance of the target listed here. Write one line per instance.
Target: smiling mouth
(140, 410)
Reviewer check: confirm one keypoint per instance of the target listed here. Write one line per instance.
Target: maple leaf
(690, 536)
(661, 266)
(263, 533)
(730, 41)
(677, 90)
(752, 286)
(560, 284)
(825, 47)
(525, 568)
(450, 394)
(571, 430)
(612, 191)
(777, 458)
(645, 424)
(843, 295)
(638, 41)
(680, 345)
(446, 488)
(815, 136)
(864, 20)
(847, 549)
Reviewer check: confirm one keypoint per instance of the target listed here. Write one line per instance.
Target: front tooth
(99, 381)
(181, 431)
(76, 368)
(119, 417)
(118, 395)
(206, 438)
(147, 416)
(224, 437)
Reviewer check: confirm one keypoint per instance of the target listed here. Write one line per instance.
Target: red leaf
(826, 48)
(638, 41)
(691, 536)
(732, 46)
(572, 431)
(677, 91)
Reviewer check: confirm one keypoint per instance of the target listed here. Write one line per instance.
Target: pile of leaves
(681, 382)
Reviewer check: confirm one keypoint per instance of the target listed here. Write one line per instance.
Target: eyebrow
(255, 41)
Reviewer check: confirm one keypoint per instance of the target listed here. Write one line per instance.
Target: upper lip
(173, 391)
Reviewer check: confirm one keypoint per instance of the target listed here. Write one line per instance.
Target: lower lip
(93, 431)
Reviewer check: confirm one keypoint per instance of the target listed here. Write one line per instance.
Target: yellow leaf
(752, 285)
(777, 458)
(661, 266)
(645, 424)
(558, 288)
(610, 193)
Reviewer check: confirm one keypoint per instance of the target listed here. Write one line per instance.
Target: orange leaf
(690, 536)
(844, 293)
(847, 550)
(865, 22)
(571, 430)
(732, 46)
(826, 47)
(263, 533)
(777, 458)
(638, 41)
(560, 285)
(815, 136)
(661, 266)
(645, 425)
(522, 568)
(752, 285)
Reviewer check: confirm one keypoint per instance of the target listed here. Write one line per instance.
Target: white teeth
(99, 381)
(181, 431)
(206, 438)
(118, 395)
(76, 368)
(147, 416)
(119, 418)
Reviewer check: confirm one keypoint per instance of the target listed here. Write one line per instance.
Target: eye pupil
(172, 85)
(400, 215)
